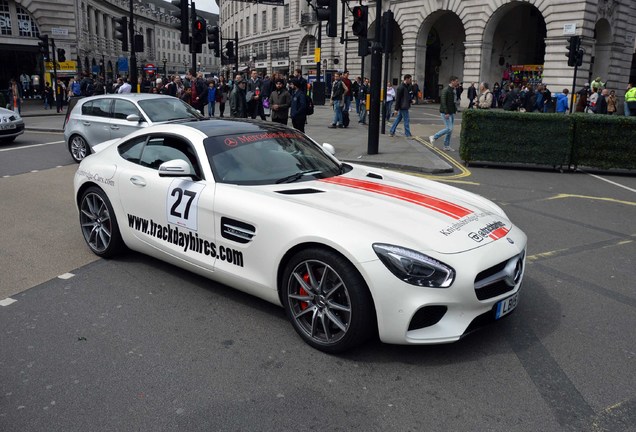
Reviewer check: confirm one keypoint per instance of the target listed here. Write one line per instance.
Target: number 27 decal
(182, 203)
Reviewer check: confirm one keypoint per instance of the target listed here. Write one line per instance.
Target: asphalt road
(134, 344)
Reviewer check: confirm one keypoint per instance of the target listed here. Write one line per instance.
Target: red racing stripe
(498, 233)
(445, 207)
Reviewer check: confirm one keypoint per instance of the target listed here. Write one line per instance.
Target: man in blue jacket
(562, 102)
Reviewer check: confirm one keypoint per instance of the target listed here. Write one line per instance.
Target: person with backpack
(87, 86)
(485, 98)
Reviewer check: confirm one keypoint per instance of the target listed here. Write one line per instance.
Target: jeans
(362, 116)
(211, 106)
(448, 129)
(358, 105)
(347, 103)
(402, 114)
(627, 111)
(388, 109)
(337, 108)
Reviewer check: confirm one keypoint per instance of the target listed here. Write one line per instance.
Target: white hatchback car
(96, 119)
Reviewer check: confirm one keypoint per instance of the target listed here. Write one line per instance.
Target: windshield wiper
(297, 176)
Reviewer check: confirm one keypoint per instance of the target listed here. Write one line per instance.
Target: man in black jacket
(402, 106)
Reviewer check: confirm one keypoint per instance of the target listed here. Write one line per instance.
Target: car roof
(127, 96)
(214, 127)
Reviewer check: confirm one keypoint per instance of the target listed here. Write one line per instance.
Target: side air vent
(299, 191)
(237, 231)
(375, 176)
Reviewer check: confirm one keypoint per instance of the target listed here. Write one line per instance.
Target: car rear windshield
(268, 157)
(168, 108)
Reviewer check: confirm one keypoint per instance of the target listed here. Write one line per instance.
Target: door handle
(138, 181)
(114, 127)
(86, 123)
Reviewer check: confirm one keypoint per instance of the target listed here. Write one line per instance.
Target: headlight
(414, 267)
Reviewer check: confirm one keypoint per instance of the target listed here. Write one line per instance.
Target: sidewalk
(351, 143)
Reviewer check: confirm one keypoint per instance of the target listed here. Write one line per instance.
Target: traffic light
(121, 32)
(61, 55)
(182, 15)
(327, 10)
(229, 49)
(44, 45)
(360, 21)
(199, 31)
(574, 43)
(138, 43)
(214, 41)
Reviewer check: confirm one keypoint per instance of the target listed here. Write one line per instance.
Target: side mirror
(329, 148)
(175, 168)
(133, 118)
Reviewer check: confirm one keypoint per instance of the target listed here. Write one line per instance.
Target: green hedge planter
(555, 140)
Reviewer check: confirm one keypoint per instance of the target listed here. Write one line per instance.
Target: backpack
(90, 88)
(310, 106)
(75, 88)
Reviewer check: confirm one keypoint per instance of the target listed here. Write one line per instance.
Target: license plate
(7, 126)
(505, 306)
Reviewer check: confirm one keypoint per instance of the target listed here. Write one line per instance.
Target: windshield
(168, 108)
(268, 158)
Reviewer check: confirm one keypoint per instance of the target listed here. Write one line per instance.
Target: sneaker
(431, 139)
(449, 149)
(333, 126)
(391, 135)
(341, 126)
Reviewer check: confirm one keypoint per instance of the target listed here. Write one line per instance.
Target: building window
(241, 29)
(255, 30)
(274, 18)
(247, 26)
(25, 23)
(264, 22)
(5, 18)
(309, 46)
(286, 15)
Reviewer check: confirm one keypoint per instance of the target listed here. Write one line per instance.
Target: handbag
(266, 103)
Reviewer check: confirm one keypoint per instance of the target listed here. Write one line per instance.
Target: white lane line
(611, 182)
(7, 301)
(66, 276)
(29, 146)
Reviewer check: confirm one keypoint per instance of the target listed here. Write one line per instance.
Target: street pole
(376, 78)
(236, 50)
(55, 89)
(193, 47)
(133, 56)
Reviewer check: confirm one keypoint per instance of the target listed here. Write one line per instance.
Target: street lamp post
(164, 60)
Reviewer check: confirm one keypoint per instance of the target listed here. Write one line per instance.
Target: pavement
(351, 143)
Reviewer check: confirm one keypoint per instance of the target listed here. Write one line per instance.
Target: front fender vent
(237, 231)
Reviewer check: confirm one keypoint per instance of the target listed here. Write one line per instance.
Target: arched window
(26, 24)
(308, 46)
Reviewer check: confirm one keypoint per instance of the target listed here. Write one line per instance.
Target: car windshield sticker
(234, 140)
(182, 203)
(439, 205)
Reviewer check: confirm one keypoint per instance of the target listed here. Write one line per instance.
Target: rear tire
(327, 301)
(78, 147)
(98, 223)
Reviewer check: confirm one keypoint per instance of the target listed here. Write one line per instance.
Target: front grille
(427, 316)
(499, 279)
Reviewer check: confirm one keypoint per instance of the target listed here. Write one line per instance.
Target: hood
(425, 214)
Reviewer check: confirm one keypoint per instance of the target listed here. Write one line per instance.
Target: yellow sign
(66, 67)
(317, 55)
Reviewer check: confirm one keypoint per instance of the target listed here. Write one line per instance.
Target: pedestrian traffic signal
(229, 50)
(214, 41)
(327, 10)
(199, 31)
(360, 21)
(61, 55)
(574, 43)
(121, 32)
(182, 15)
(44, 45)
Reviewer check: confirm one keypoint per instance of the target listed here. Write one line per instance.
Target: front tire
(327, 301)
(98, 223)
(79, 148)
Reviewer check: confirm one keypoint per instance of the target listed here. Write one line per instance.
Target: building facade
(476, 40)
(85, 30)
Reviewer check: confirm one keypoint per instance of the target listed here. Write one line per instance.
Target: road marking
(7, 301)
(605, 244)
(463, 171)
(66, 276)
(613, 200)
(29, 146)
(610, 182)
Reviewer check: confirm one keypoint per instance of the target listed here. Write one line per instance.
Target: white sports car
(349, 251)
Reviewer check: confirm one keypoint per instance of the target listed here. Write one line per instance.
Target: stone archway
(514, 35)
(440, 52)
(601, 56)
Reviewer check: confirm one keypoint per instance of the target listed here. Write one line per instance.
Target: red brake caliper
(302, 292)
